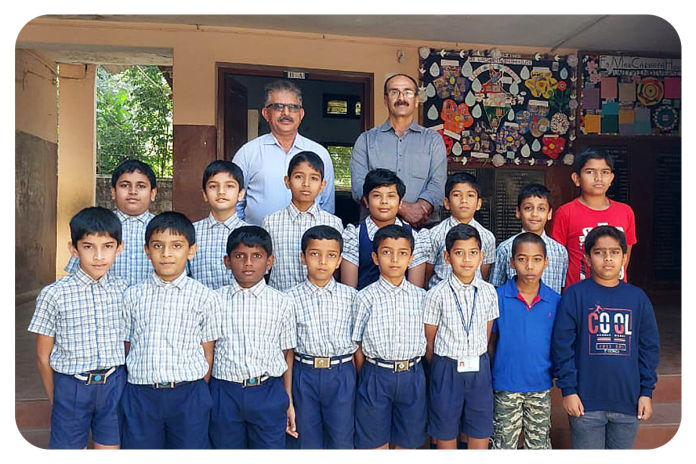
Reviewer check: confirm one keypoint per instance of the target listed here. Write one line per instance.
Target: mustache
(285, 118)
(401, 103)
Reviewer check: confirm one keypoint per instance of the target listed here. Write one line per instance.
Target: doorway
(327, 121)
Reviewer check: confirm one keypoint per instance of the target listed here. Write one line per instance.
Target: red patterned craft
(650, 91)
(553, 146)
(455, 118)
(448, 141)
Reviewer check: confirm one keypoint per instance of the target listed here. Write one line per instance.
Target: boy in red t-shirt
(593, 173)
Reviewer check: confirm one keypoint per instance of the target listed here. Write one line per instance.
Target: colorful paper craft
(590, 99)
(627, 92)
(610, 109)
(641, 127)
(610, 124)
(609, 88)
(642, 114)
(672, 87)
(592, 123)
(626, 117)
(626, 129)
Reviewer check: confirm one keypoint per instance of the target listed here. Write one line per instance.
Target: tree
(134, 119)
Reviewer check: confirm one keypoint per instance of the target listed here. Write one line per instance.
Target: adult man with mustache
(265, 159)
(415, 153)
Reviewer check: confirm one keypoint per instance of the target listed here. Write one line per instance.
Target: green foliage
(134, 119)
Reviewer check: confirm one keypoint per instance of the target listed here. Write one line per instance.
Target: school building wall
(36, 162)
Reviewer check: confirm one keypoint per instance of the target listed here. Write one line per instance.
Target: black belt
(95, 377)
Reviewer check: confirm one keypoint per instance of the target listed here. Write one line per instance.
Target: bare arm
(430, 333)
(44, 346)
(208, 350)
(485, 271)
(429, 271)
(416, 275)
(359, 357)
(492, 343)
(291, 427)
(628, 259)
(349, 274)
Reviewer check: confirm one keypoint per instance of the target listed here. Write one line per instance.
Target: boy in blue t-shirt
(605, 349)
(522, 340)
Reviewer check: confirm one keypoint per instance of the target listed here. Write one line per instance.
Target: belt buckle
(161, 385)
(400, 366)
(96, 379)
(252, 382)
(322, 363)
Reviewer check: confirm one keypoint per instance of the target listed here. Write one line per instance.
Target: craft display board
(497, 108)
(499, 190)
(666, 243)
(630, 95)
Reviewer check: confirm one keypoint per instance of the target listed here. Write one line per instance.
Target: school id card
(468, 364)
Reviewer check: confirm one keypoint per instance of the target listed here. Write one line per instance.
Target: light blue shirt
(265, 164)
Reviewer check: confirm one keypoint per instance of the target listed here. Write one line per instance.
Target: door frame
(367, 79)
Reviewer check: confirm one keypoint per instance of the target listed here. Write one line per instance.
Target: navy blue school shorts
(324, 401)
(252, 417)
(456, 398)
(167, 418)
(390, 407)
(77, 407)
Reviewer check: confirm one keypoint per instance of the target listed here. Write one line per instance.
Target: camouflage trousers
(514, 412)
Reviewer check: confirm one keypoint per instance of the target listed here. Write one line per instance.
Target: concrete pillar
(76, 150)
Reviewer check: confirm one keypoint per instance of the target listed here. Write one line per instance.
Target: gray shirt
(418, 158)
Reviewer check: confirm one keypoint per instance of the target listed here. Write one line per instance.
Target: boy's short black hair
(310, 158)
(132, 165)
(461, 232)
(415, 84)
(174, 222)
(219, 166)
(95, 220)
(381, 177)
(603, 231)
(250, 236)
(392, 231)
(461, 177)
(321, 232)
(590, 153)
(527, 237)
(533, 190)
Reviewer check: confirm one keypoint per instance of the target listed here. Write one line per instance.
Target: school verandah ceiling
(611, 33)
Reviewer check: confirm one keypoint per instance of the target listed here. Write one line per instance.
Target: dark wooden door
(235, 117)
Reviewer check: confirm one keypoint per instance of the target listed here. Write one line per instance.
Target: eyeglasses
(407, 93)
(279, 107)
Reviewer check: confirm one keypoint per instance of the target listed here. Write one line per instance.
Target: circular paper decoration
(666, 118)
(560, 123)
(424, 52)
(572, 60)
(650, 91)
(498, 160)
(568, 159)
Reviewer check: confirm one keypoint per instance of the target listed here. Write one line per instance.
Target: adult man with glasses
(415, 153)
(265, 159)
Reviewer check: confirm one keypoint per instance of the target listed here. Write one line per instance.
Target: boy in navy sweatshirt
(605, 349)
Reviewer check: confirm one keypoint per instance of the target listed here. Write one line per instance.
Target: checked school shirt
(324, 317)
(351, 242)
(441, 310)
(286, 228)
(442, 270)
(258, 323)
(83, 315)
(165, 323)
(132, 264)
(389, 320)
(554, 275)
(208, 266)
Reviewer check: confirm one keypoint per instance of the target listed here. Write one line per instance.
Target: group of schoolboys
(217, 357)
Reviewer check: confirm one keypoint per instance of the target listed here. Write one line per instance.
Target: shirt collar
(179, 282)
(371, 224)
(228, 223)
(312, 288)
(144, 218)
(270, 139)
(510, 290)
(256, 290)
(387, 126)
(294, 213)
(458, 285)
(386, 285)
(85, 278)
